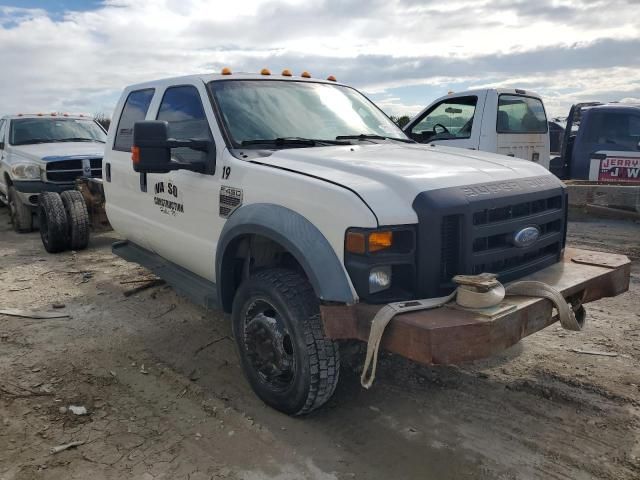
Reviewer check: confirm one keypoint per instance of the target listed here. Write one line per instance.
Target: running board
(199, 290)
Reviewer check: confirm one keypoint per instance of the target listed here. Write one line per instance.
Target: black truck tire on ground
(289, 362)
(78, 218)
(21, 215)
(54, 224)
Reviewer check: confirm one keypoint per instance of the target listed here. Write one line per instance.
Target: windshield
(25, 131)
(255, 110)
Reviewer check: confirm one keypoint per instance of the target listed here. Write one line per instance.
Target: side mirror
(151, 151)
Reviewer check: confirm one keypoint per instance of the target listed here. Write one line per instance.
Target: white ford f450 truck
(298, 207)
(511, 122)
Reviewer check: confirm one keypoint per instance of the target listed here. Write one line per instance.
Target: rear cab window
(135, 110)
(520, 114)
(620, 129)
(450, 119)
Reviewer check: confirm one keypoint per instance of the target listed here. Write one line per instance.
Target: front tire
(54, 224)
(20, 214)
(289, 362)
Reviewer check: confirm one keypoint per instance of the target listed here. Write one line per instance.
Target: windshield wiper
(34, 140)
(372, 136)
(78, 139)
(284, 141)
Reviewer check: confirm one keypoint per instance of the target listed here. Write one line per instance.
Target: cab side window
(182, 108)
(450, 119)
(3, 130)
(135, 110)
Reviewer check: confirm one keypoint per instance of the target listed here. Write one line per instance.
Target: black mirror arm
(194, 167)
(202, 145)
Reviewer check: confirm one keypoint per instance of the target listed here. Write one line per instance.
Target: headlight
(26, 171)
(379, 278)
(381, 262)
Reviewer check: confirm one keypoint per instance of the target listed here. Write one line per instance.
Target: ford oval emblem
(526, 237)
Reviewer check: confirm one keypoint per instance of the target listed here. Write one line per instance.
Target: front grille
(450, 246)
(66, 171)
(485, 240)
(518, 210)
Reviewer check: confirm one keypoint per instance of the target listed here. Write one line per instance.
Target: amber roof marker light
(265, 71)
(331, 78)
(305, 74)
(225, 71)
(286, 73)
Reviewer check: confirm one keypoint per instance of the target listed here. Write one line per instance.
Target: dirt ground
(166, 399)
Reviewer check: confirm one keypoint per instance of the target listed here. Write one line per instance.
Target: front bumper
(450, 335)
(28, 190)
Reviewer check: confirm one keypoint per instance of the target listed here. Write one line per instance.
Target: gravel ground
(165, 396)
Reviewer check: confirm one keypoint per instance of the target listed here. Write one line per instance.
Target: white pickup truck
(511, 122)
(45, 153)
(298, 207)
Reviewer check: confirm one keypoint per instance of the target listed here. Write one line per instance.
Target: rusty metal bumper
(452, 335)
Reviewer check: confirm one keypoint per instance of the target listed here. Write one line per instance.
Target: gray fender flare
(298, 235)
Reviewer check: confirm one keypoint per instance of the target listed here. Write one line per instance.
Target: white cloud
(82, 60)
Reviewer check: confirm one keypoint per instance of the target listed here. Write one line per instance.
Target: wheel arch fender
(298, 236)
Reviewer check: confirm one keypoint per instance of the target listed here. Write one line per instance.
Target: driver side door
(454, 122)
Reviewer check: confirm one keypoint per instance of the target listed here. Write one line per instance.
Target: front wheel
(289, 362)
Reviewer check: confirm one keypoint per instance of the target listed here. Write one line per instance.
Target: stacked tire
(64, 221)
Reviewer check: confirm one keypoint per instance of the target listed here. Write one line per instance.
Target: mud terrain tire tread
(322, 370)
(21, 215)
(54, 224)
(78, 218)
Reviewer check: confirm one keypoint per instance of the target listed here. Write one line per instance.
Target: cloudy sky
(77, 55)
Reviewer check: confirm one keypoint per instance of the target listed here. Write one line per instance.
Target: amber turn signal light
(355, 242)
(135, 154)
(380, 240)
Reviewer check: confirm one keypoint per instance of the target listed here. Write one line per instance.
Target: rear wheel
(54, 225)
(20, 214)
(289, 362)
(78, 218)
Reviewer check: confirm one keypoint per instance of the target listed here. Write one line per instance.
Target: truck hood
(45, 152)
(389, 176)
